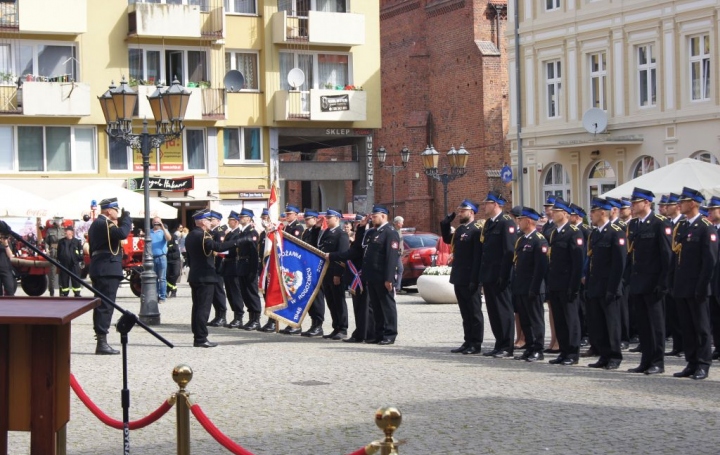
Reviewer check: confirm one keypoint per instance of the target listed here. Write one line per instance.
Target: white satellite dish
(594, 120)
(234, 81)
(296, 78)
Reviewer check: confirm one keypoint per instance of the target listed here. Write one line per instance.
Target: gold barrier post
(182, 375)
(388, 419)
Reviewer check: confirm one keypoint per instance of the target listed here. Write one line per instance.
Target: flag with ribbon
(299, 270)
(356, 286)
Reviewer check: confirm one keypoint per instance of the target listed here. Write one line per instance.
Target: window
(240, 6)
(186, 153)
(557, 182)
(705, 157)
(551, 5)
(149, 66)
(45, 61)
(647, 78)
(321, 70)
(645, 165)
(47, 149)
(247, 64)
(700, 67)
(242, 144)
(598, 78)
(553, 79)
(601, 179)
(300, 8)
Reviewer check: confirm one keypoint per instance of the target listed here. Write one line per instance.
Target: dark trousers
(363, 315)
(250, 294)
(234, 296)
(172, 275)
(65, 279)
(650, 318)
(715, 321)
(532, 321)
(501, 316)
(672, 325)
(317, 309)
(582, 313)
(627, 319)
(219, 300)
(694, 316)
(567, 323)
(384, 310)
(102, 315)
(605, 326)
(335, 298)
(8, 284)
(202, 295)
(470, 304)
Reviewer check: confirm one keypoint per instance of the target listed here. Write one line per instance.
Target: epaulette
(616, 227)
(706, 221)
(478, 225)
(574, 228)
(539, 235)
(507, 217)
(660, 217)
(586, 226)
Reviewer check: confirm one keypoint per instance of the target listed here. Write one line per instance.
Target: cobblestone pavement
(276, 394)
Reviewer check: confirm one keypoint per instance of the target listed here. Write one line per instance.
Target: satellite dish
(594, 120)
(234, 81)
(296, 78)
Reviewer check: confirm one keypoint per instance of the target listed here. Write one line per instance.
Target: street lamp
(168, 107)
(458, 167)
(393, 168)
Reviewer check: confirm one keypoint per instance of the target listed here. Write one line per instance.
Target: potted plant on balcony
(434, 285)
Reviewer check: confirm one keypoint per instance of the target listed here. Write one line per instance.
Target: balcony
(321, 28)
(205, 20)
(204, 104)
(321, 105)
(34, 16)
(61, 99)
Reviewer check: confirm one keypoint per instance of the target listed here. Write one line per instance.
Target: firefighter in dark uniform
(380, 271)
(497, 239)
(334, 239)
(649, 251)
(292, 227)
(311, 235)
(69, 254)
(563, 282)
(203, 276)
(629, 329)
(530, 264)
(672, 321)
(247, 272)
(230, 274)
(105, 236)
(547, 229)
(607, 253)
(464, 245)
(270, 325)
(549, 225)
(714, 209)
(219, 301)
(576, 218)
(364, 322)
(696, 247)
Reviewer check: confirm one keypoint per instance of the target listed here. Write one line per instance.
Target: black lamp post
(458, 162)
(393, 168)
(168, 108)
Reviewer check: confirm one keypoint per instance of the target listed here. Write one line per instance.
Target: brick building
(444, 82)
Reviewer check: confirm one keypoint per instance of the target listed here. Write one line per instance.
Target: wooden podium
(35, 367)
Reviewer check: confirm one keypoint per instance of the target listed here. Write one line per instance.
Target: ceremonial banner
(300, 270)
(269, 278)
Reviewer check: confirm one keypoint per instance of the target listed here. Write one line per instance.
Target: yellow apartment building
(647, 69)
(269, 79)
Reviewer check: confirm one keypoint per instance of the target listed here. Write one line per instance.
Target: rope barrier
(117, 424)
(218, 435)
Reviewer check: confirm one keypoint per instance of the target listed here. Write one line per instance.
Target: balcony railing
(319, 27)
(61, 99)
(9, 15)
(34, 16)
(321, 105)
(213, 103)
(198, 19)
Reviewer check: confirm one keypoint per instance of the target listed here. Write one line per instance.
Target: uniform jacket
(566, 259)
(381, 255)
(69, 251)
(649, 254)
(247, 251)
(334, 240)
(696, 246)
(547, 229)
(495, 257)
(607, 253)
(354, 253)
(311, 235)
(199, 247)
(106, 253)
(715, 284)
(295, 229)
(465, 246)
(530, 264)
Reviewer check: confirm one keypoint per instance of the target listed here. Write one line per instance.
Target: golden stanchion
(182, 375)
(388, 419)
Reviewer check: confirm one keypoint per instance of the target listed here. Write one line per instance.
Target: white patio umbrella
(689, 172)
(16, 202)
(76, 203)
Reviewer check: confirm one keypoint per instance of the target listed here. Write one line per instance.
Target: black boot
(103, 348)
(218, 321)
(315, 330)
(253, 323)
(269, 327)
(173, 293)
(236, 323)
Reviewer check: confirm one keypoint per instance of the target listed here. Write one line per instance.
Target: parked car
(419, 247)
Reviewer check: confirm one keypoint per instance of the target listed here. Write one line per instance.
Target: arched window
(705, 156)
(644, 165)
(557, 182)
(601, 179)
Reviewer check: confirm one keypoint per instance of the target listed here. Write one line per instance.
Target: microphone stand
(126, 322)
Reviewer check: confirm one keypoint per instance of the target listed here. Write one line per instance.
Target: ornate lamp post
(393, 168)
(458, 167)
(168, 108)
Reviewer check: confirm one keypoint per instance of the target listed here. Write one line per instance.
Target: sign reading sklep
(333, 103)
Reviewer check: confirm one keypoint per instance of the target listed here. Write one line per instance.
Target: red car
(419, 247)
